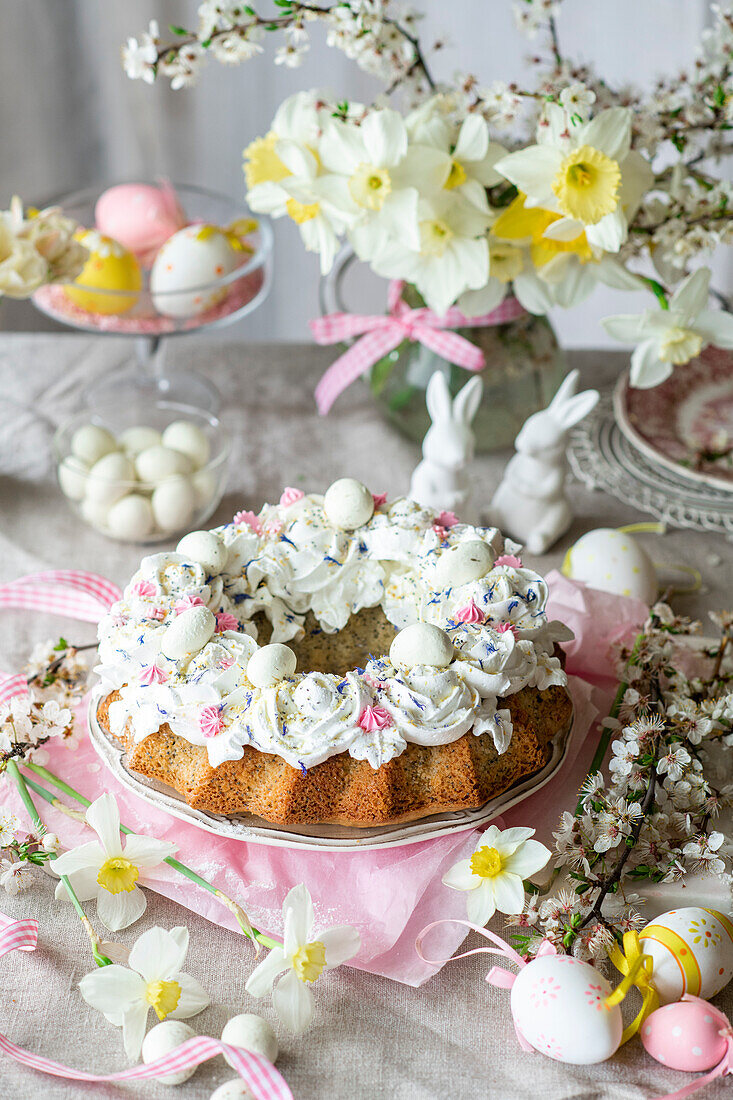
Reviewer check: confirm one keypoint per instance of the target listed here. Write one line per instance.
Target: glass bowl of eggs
(142, 473)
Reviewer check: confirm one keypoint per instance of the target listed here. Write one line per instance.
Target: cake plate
(328, 838)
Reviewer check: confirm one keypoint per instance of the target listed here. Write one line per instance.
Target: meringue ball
(204, 547)
(90, 443)
(110, 478)
(421, 644)
(72, 474)
(252, 1033)
(161, 1040)
(131, 518)
(138, 439)
(188, 633)
(468, 561)
(188, 439)
(232, 1090)
(271, 663)
(348, 504)
(156, 463)
(174, 503)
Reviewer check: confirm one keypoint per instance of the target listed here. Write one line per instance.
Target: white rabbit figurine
(441, 481)
(530, 503)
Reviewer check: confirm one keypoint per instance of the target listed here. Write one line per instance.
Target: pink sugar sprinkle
(248, 519)
(440, 531)
(290, 496)
(379, 499)
(471, 613)
(447, 519)
(211, 722)
(374, 718)
(509, 559)
(226, 621)
(143, 588)
(502, 628)
(187, 602)
(151, 674)
(158, 613)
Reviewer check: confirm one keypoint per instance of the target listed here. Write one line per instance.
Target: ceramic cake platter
(334, 838)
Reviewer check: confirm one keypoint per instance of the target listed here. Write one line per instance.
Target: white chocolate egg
(138, 439)
(558, 1004)
(90, 443)
(252, 1033)
(161, 1040)
(271, 663)
(174, 503)
(613, 562)
(468, 561)
(421, 644)
(188, 267)
(348, 504)
(110, 478)
(692, 952)
(72, 474)
(205, 487)
(156, 463)
(232, 1090)
(188, 439)
(131, 518)
(204, 547)
(188, 633)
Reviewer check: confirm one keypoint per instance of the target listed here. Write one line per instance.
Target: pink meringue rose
(158, 613)
(151, 674)
(502, 628)
(227, 662)
(447, 519)
(248, 519)
(471, 613)
(143, 588)
(273, 527)
(509, 559)
(379, 499)
(210, 721)
(374, 718)
(186, 602)
(290, 496)
(226, 621)
(440, 531)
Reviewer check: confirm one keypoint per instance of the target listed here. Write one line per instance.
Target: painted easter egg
(692, 952)
(685, 1035)
(558, 1004)
(111, 269)
(613, 562)
(141, 216)
(188, 264)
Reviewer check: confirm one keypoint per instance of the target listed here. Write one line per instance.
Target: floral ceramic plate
(686, 423)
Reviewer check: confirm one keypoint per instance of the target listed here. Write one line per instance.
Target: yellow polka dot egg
(187, 269)
(110, 280)
(612, 561)
(692, 952)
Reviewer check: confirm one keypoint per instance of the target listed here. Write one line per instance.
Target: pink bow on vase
(382, 333)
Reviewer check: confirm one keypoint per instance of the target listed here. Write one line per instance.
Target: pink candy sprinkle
(440, 531)
(502, 628)
(509, 559)
(379, 499)
(447, 519)
(187, 602)
(374, 718)
(471, 613)
(158, 613)
(248, 519)
(290, 496)
(211, 722)
(151, 674)
(143, 588)
(225, 621)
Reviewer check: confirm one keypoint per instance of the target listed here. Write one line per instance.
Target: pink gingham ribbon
(382, 333)
(17, 935)
(70, 592)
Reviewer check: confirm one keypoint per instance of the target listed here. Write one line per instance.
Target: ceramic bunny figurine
(530, 504)
(441, 481)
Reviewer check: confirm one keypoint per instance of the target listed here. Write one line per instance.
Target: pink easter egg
(685, 1035)
(141, 216)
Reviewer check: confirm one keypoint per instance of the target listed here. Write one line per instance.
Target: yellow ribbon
(637, 970)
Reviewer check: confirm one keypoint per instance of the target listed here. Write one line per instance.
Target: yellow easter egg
(691, 950)
(110, 268)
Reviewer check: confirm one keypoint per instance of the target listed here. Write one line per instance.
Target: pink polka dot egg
(685, 1035)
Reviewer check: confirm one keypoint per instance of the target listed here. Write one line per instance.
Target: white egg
(139, 438)
(421, 644)
(188, 438)
(204, 547)
(156, 463)
(188, 267)
(110, 478)
(613, 562)
(252, 1033)
(692, 952)
(205, 487)
(232, 1090)
(90, 443)
(271, 663)
(174, 504)
(468, 561)
(95, 512)
(72, 474)
(348, 504)
(188, 633)
(558, 1004)
(131, 518)
(161, 1040)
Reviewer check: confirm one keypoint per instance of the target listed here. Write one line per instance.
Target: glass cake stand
(148, 323)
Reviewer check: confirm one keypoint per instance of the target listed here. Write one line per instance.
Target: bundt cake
(335, 659)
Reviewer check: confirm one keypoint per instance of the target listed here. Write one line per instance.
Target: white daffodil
(495, 872)
(152, 979)
(108, 872)
(584, 171)
(303, 957)
(668, 338)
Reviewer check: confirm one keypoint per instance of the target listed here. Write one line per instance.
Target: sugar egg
(204, 486)
(232, 1090)
(252, 1033)
(90, 443)
(188, 264)
(691, 950)
(188, 439)
(110, 478)
(174, 503)
(612, 561)
(131, 518)
(141, 216)
(140, 438)
(156, 463)
(421, 644)
(468, 561)
(348, 504)
(161, 1040)
(204, 547)
(95, 512)
(685, 1035)
(188, 633)
(72, 474)
(110, 269)
(271, 663)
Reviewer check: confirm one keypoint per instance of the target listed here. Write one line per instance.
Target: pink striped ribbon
(17, 935)
(382, 333)
(70, 592)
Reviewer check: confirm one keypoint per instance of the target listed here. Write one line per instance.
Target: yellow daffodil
(494, 875)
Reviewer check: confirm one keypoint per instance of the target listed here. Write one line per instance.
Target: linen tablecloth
(451, 1039)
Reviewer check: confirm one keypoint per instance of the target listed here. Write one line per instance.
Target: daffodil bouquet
(471, 192)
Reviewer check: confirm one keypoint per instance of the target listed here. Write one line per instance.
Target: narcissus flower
(494, 874)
